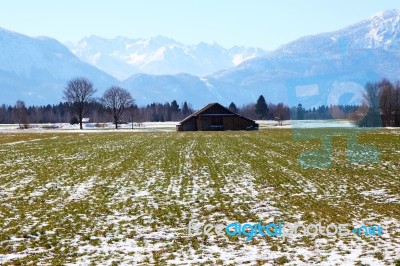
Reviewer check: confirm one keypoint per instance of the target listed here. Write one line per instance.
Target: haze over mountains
(343, 60)
(123, 57)
(36, 69)
(318, 69)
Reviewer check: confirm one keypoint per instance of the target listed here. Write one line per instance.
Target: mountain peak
(380, 31)
(36, 69)
(123, 57)
(384, 30)
(387, 14)
(366, 51)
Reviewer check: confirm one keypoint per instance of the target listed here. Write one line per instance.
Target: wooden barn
(215, 117)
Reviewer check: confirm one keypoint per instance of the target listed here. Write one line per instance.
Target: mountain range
(327, 65)
(36, 70)
(326, 68)
(123, 57)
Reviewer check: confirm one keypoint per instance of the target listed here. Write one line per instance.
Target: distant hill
(312, 70)
(37, 69)
(326, 68)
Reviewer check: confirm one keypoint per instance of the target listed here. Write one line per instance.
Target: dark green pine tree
(233, 107)
(261, 108)
(175, 107)
(300, 112)
(185, 109)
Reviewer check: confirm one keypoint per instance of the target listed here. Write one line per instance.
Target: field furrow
(128, 198)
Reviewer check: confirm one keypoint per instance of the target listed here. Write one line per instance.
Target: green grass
(128, 197)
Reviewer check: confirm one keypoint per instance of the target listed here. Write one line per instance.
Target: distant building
(85, 120)
(216, 117)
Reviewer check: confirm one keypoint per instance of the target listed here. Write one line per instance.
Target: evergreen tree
(261, 108)
(300, 112)
(233, 107)
(185, 109)
(175, 107)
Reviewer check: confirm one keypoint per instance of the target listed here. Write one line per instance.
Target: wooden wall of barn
(204, 123)
(215, 117)
(236, 123)
(189, 125)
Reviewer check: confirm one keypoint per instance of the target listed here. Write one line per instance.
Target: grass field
(127, 198)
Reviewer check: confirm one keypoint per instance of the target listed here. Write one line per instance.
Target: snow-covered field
(307, 124)
(170, 126)
(92, 127)
(127, 198)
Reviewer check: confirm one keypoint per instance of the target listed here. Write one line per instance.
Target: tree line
(115, 105)
(280, 111)
(381, 107)
(63, 113)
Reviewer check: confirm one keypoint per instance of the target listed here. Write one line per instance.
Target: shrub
(74, 121)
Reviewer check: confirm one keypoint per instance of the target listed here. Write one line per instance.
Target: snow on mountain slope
(366, 51)
(36, 70)
(123, 57)
(381, 31)
(343, 60)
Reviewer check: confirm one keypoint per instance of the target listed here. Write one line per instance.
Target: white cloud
(307, 90)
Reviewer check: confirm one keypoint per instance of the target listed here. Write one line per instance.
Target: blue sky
(262, 23)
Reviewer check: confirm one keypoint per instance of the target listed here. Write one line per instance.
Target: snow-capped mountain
(343, 60)
(36, 70)
(312, 70)
(309, 70)
(123, 57)
(381, 31)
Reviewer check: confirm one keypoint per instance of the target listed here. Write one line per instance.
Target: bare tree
(371, 104)
(21, 113)
(387, 102)
(133, 110)
(79, 92)
(282, 112)
(117, 100)
(397, 105)
(371, 95)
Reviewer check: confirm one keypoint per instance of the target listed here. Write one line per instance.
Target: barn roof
(208, 106)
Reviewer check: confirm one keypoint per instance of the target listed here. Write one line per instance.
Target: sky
(265, 24)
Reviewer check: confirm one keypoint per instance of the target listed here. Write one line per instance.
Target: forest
(381, 107)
